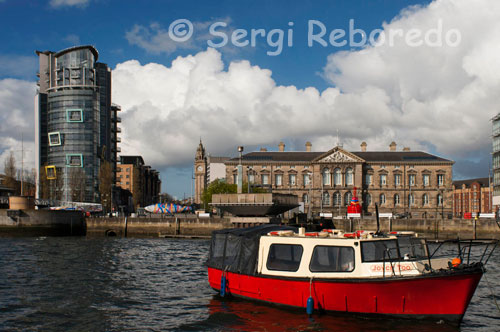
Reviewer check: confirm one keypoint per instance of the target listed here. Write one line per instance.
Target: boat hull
(439, 296)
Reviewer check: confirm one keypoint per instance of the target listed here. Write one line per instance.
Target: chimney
(392, 146)
(281, 146)
(308, 146)
(406, 148)
(263, 149)
(363, 147)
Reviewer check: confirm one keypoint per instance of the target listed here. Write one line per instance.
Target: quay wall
(428, 228)
(191, 226)
(187, 226)
(32, 222)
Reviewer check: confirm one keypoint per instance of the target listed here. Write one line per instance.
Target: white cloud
(426, 97)
(440, 96)
(17, 121)
(68, 3)
(72, 39)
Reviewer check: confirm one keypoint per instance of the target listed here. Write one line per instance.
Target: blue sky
(389, 84)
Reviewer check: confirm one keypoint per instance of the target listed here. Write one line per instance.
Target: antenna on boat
(378, 220)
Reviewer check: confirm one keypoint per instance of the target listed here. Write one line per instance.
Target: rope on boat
(491, 291)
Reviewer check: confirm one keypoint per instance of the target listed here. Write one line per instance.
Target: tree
(77, 184)
(105, 184)
(10, 173)
(220, 186)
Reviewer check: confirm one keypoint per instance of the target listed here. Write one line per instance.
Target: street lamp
(240, 171)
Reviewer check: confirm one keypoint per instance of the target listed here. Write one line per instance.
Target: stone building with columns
(398, 181)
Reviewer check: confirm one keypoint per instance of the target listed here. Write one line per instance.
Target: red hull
(443, 296)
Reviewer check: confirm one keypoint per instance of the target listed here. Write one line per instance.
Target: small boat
(362, 272)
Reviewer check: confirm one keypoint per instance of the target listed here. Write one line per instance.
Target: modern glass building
(496, 160)
(75, 123)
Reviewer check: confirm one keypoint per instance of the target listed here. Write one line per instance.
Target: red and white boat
(362, 272)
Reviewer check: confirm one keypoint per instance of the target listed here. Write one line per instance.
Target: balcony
(118, 139)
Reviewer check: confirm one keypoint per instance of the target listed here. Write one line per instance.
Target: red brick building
(472, 196)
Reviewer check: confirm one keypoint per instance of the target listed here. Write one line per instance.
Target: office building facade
(76, 124)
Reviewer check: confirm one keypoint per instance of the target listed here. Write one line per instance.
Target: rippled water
(103, 284)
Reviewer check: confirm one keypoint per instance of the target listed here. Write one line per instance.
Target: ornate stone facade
(398, 181)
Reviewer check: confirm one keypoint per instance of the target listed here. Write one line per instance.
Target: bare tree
(10, 173)
(77, 184)
(105, 184)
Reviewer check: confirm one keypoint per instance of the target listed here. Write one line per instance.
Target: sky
(425, 74)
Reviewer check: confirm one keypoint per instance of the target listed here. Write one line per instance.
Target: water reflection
(240, 315)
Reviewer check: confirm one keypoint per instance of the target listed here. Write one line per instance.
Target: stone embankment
(30, 222)
(192, 226)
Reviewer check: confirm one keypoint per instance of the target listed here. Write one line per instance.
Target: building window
(265, 178)
(127, 170)
(411, 200)
(307, 179)
(305, 198)
(326, 198)
(278, 166)
(337, 177)
(306, 167)
(411, 179)
(425, 199)
(251, 178)
(347, 198)
(337, 199)
(426, 179)
(368, 179)
(74, 115)
(264, 167)
(278, 179)
(74, 160)
(54, 139)
(50, 172)
(128, 176)
(383, 179)
(397, 179)
(440, 179)
(235, 178)
(382, 199)
(349, 177)
(396, 200)
(439, 200)
(292, 179)
(326, 177)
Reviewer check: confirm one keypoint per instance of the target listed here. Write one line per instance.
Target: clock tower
(200, 172)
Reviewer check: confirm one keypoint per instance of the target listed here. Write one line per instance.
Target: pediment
(338, 155)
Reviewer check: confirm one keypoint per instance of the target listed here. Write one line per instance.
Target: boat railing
(468, 251)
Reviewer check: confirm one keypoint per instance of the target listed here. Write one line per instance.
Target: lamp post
(240, 171)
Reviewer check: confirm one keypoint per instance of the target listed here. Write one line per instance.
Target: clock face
(200, 168)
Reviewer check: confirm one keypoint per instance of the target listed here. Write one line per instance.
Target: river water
(117, 284)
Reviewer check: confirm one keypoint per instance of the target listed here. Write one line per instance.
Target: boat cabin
(290, 252)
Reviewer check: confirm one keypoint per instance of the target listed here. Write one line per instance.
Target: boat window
(378, 251)
(284, 257)
(332, 259)
(412, 248)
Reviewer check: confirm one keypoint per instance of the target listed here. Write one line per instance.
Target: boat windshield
(412, 248)
(379, 251)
